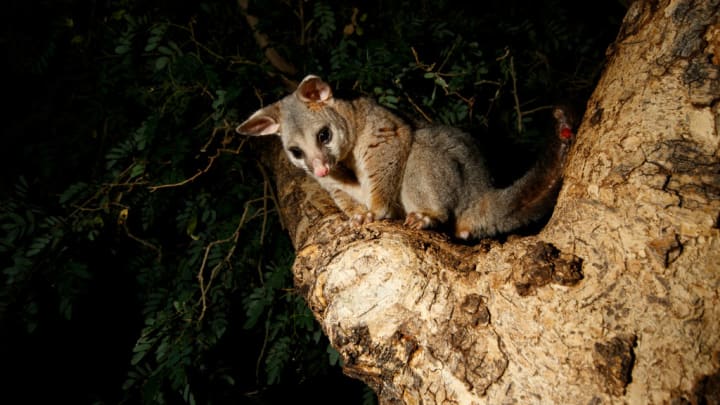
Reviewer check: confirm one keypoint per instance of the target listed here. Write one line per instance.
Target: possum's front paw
(416, 220)
(358, 220)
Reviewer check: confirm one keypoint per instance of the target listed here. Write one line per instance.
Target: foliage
(140, 240)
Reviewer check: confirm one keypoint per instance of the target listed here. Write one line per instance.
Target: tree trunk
(617, 299)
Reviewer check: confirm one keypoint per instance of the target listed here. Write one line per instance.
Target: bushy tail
(530, 197)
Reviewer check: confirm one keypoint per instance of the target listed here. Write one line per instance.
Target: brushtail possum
(375, 165)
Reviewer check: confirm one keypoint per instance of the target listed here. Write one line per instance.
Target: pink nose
(320, 168)
(321, 171)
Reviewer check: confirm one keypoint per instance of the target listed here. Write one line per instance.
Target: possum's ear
(265, 121)
(313, 90)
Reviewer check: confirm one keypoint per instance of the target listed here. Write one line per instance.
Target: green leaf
(277, 357)
(191, 225)
(158, 30)
(369, 396)
(66, 308)
(79, 270)
(151, 46)
(122, 49)
(175, 48)
(118, 14)
(219, 326)
(138, 169)
(161, 62)
(333, 356)
(165, 50)
(137, 357)
(72, 191)
(37, 245)
(142, 347)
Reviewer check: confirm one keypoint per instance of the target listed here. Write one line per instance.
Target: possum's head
(314, 135)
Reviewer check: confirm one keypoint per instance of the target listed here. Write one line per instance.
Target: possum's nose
(320, 168)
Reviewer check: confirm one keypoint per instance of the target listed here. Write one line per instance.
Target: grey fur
(375, 166)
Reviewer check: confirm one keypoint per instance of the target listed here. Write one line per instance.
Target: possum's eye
(296, 152)
(324, 136)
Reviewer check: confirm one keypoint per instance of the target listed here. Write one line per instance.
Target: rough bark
(616, 300)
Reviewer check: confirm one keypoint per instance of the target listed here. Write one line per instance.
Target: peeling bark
(616, 300)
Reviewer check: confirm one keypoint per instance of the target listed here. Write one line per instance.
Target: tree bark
(616, 300)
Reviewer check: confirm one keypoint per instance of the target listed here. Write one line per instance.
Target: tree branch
(617, 293)
(273, 56)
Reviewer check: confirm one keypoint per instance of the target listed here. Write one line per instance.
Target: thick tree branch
(616, 300)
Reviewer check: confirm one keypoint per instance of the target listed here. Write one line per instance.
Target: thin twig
(201, 277)
(197, 43)
(518, 112)
(211, 160)
(234, 237)
(123, 221)
(417, 107)
(534, 110)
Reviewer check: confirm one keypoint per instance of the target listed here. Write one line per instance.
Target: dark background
(99, 296)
